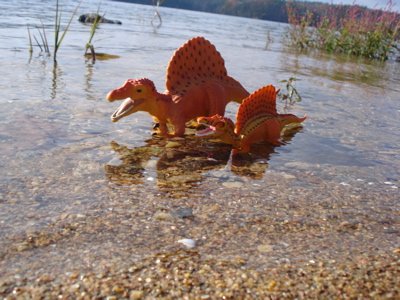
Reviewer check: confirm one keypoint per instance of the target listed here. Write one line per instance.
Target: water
(79, 192)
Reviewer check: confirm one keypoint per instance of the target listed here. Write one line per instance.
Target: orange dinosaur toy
(256, 121)
(197, 85)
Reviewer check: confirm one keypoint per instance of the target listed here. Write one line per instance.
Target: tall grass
(357, 31)
(42, 44)
(58, 36)
(93, 28)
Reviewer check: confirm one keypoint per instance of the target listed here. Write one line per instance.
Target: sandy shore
(189, 275)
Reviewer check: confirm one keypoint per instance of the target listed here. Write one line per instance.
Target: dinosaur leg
(163, 129)
(217, 99)
(179, 129)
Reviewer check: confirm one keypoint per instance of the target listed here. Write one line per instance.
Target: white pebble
(189, 243)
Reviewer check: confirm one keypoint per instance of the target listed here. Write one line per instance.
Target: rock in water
(91, 18)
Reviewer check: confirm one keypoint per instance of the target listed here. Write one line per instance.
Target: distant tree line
(272, 10)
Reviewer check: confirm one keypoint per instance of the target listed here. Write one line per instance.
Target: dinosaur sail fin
(259, 104)
(193, 63)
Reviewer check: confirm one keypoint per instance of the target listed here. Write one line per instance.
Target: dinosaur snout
(110, 97)
(117, 94)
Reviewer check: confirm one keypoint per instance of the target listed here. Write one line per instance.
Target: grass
(93, 28)
(42, 44)
(58, 36)
(357, 31)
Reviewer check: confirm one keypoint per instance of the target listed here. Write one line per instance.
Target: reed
(156, 14)
(58, 36)
(93, 28)
(43, 44)
(30, 40)
(43, 38)
(356, 31)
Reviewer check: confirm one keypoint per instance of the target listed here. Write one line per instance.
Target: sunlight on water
(64, 161)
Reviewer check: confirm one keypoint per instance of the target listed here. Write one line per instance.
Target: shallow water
(78, 191)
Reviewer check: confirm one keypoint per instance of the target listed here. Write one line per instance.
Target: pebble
(288, 176)
(162, 216)
(114, 162)
(264, 248)
(184, 212)
(189, 243)
(232, 184)
(135, 295)
(171, 144)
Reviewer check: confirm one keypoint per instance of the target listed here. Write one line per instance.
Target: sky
(380, 4)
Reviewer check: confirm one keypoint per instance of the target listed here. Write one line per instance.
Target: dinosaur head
(135, 92)
(216, 127)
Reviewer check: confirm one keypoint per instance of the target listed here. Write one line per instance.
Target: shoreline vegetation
(350, 29)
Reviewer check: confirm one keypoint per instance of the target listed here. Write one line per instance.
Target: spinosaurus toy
(257, 120)
(197, 85)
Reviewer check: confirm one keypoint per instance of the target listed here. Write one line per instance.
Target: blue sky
(369, 3)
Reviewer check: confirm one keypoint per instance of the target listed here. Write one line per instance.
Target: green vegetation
(354, 31)
(57, 29)
(291, 95)
(93, 28)
(43, 45)
(58, 36)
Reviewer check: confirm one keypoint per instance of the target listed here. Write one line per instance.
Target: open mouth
(209, 130)
(126, 108)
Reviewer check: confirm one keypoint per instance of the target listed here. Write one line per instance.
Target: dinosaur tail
(286, 119)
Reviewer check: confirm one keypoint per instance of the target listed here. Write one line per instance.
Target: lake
(79, 193)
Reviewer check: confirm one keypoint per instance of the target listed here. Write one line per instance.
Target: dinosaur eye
(220, 124)
(139, 90)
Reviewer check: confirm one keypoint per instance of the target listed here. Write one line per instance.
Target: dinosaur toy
(197, 85)
(256, 121)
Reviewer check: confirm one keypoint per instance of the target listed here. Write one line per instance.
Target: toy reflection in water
(181, 165)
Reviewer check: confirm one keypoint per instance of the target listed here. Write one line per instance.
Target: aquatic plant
(291, 95)
(58, 37)
(355, 30)
(30, 40)
(43, 45)
(93, 28)
(157, 15)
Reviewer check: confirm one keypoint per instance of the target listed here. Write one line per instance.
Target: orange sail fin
(259, 104)
(193, 63)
